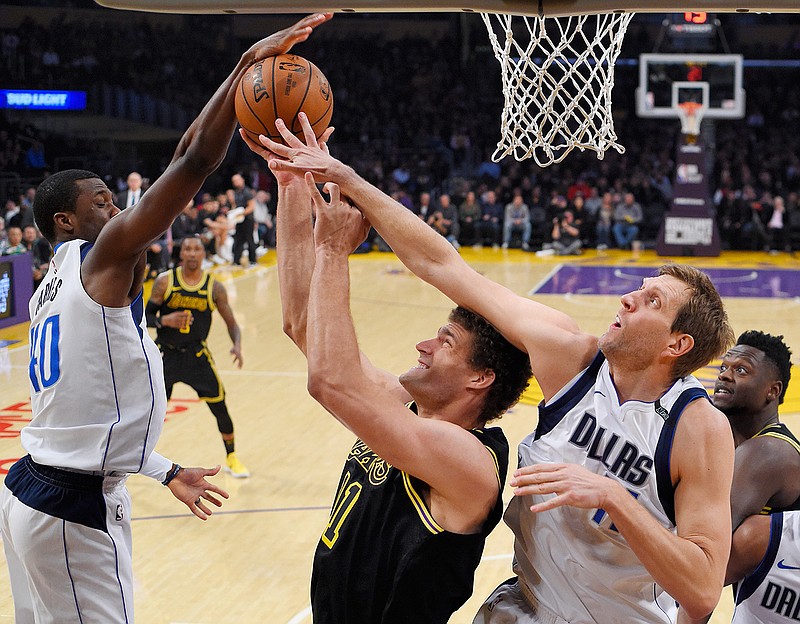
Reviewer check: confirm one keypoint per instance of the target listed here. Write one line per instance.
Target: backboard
(544, 8)
(666, 80)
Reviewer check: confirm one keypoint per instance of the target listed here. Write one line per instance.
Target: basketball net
(691, 114)
(557, 88)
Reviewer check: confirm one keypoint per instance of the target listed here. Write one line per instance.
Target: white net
(691, 114)
(557, 86)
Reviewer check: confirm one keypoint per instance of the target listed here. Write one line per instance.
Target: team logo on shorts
(119, 513)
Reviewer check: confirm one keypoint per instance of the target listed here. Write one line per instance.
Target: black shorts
(193, 366)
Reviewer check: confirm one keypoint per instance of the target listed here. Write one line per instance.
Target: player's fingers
(291, 140)
(551, 503)
(537, 469)
(210, 472)
(308, 133)
(210, 487)
(316, 198)
(273, 146)
(213, 500)
(325, 137)
(332, 189)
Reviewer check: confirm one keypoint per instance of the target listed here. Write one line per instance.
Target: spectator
(265, 227)
(40, 251)
(242, 196)
(13, 245)
(469, 214)
(517, 221)
(776, 227)
(627, 216)
(445, 220)
(582, 220)
(186, 225)
(35, 161)
(10, 210)
(489, 226)
(214, 218)
(605, 223)
(754, 229)
(593, 203)
(566, 237)
(424, 210)
(133, 192)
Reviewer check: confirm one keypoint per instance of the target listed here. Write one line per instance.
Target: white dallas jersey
(771, 594)
(574, 561)
(96, 376)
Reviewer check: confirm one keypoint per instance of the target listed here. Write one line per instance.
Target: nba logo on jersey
(119, 513)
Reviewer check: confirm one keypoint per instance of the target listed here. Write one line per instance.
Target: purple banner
(618, 280)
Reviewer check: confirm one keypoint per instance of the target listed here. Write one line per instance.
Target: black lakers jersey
(383, 559)
(781, 432)
(180, 296)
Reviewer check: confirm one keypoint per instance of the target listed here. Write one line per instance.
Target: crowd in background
(419, 117)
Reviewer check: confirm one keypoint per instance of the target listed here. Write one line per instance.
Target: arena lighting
(38, 99)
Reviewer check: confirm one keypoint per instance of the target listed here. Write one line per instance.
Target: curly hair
(57, 193)
(775, 350)
(511, 367)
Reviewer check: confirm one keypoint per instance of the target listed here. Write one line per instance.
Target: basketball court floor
(251, 562)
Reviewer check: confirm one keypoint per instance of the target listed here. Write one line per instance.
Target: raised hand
(286, 176)
(339, 226)
(298, 157)
(283, 40)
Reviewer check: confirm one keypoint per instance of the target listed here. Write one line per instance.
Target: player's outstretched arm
(294, 239)
(557, 347)
(190, 487)
(295, 250)
(199, 152)
(220, 296)
(456, 466)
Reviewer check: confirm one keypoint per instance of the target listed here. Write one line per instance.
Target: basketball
(281, 87)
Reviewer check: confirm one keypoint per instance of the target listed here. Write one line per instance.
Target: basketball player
(622, 492)
(180, 308)
(768, 565)
(97, 384)
(422, 486)
(752, 382)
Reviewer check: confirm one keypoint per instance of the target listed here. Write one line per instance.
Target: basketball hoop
(557, 89)
(691, 114)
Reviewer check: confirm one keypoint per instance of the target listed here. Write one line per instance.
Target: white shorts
(509, 605)
(67, 541)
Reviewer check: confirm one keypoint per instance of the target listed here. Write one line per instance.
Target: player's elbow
(290, 328)
(702, 601)
(202, 154)
(323, 386)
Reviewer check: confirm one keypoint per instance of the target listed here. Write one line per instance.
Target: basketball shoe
(236, 468)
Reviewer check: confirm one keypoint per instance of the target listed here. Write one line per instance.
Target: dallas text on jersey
(627, 463)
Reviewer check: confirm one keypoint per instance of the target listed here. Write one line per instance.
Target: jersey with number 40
(96, 376)
(575, 561)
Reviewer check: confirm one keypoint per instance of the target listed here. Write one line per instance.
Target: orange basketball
(281, 87)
